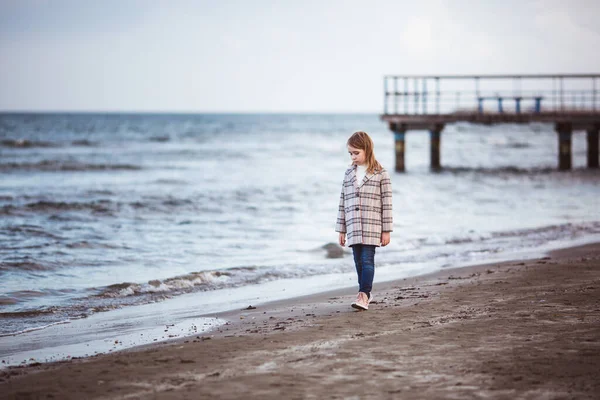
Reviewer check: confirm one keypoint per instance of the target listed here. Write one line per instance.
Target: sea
(119, 225)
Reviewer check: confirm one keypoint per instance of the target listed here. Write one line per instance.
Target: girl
(365, 212)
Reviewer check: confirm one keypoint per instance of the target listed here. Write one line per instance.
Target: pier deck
(570, 102)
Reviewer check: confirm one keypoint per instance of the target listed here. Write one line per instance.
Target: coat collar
(368, 176)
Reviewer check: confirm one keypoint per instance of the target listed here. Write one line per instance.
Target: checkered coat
(365, 208)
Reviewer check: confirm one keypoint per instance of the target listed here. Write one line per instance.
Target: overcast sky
(272, 56)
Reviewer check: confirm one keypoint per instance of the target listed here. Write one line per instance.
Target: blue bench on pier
(517, 99)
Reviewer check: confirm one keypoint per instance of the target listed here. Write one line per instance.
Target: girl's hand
(342, 239)
(385, 238)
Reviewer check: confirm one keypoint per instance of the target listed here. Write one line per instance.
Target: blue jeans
(364, 260)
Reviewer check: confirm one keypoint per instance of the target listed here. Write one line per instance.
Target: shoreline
(152, 323)
(526, 328)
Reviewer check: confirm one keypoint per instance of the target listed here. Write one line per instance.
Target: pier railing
(448, 94)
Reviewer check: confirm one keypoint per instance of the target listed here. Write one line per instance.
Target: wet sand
(520, 329)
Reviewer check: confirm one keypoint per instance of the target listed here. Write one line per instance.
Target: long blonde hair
(361, 140)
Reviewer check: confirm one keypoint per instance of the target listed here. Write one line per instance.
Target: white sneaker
(370, 298)
(362, 302)
(357, 300)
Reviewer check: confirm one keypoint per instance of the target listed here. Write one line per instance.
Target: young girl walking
(365, 214)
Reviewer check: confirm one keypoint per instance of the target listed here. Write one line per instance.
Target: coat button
(357, 208)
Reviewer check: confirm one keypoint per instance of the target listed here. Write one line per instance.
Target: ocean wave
(25, 266)
(212, 280)
(35, 328)
(7, 300)
(553, 231)
(171, 182)
(545, 233)
(84, 143)
(27, 230)
(506, 172)
(56, 165)
(28, 313)
(463, 239)
(159, 138)
(518, 145)
(25, 143)
(102, 192)
(101, 207)
(13, 322)
(207, 279)
(84, 244)
(20, 296)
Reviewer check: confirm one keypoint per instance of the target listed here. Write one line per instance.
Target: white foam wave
(36, 328)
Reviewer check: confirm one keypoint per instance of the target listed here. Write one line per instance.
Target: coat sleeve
(387, 218)
(340, 225)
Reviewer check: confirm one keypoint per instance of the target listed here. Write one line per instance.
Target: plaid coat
(365, 208)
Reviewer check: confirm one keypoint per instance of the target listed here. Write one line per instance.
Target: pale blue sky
(272, 56)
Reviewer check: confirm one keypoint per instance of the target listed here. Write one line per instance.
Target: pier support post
(565, 133)
(435, 133)
(592, 147)
(399, 132)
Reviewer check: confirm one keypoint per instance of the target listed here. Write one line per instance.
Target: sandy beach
(520, 329)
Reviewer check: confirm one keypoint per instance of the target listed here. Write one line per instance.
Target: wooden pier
(428, 102)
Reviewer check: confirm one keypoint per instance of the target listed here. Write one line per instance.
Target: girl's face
(357, 155)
